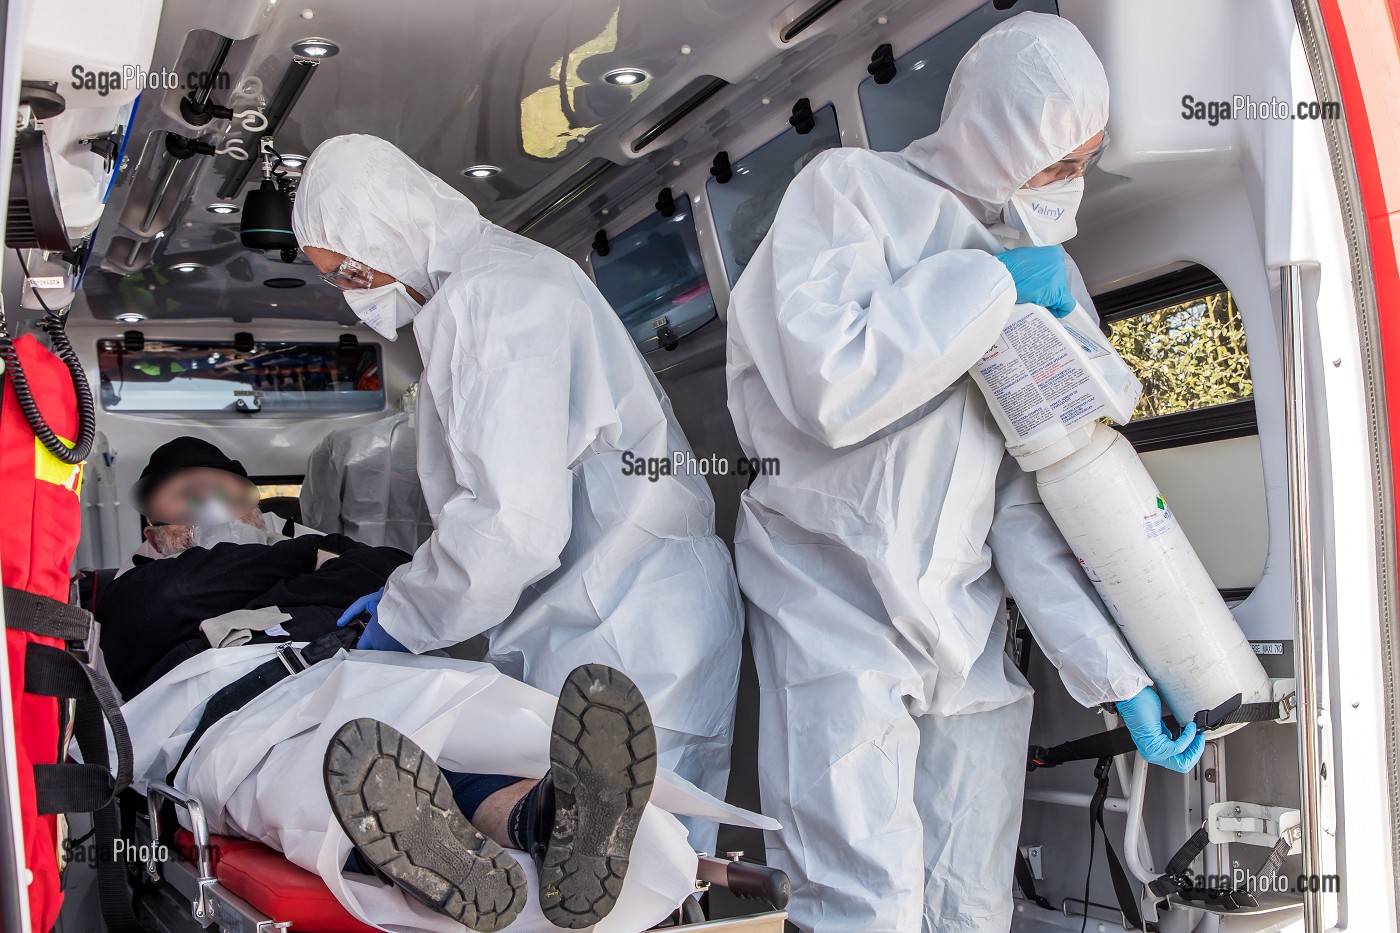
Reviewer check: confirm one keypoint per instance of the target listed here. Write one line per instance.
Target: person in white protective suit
(337, 767)
(532, 391)
(362, 482)
(893, 727)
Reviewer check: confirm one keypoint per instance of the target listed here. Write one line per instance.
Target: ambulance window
(655, 280)
(278, 487)
(743, 207)
(210, 376)
(908, 107)
(1184, 338)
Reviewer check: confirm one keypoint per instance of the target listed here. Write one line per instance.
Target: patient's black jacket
(150, 615)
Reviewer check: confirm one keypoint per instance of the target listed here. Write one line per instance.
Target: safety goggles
(1071, 166)
(349, 275)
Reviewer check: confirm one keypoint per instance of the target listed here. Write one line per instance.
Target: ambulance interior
(652, 144)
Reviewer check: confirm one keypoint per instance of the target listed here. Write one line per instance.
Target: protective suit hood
(365, 198)
(1027, 94)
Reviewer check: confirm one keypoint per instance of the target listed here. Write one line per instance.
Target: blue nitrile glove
(1143, 716)
(1039, 273)
(362, 605)
(376, 639)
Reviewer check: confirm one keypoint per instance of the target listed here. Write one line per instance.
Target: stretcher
(242, 886)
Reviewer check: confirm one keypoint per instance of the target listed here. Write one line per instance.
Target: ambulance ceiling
(516, 84)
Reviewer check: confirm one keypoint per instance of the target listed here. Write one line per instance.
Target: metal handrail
(1310, 713)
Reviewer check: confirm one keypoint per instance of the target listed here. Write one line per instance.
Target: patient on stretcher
(431, 792)
(401, 780)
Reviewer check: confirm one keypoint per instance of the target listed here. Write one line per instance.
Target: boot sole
(396, 806)
(603, 758)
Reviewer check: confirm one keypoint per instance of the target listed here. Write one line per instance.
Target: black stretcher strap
(260, 679)
(1122, 887)
(1177, 878)
(90, 787)
(1119, 741)
(68, 788)
(40, 615)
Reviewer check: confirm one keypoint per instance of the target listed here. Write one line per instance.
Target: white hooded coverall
(893, 728)
(362, 482)
(531, 393)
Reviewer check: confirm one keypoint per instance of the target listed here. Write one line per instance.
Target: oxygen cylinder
(1049, 382)
(1135, 553)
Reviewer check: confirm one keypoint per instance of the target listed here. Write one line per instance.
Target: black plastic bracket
(881, 65)
(600, 243)
(720, 169)
(182, 147)
(802, 119)
(666, 203)
(196, 114)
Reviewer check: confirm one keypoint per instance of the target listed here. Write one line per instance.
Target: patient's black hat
(182, 453)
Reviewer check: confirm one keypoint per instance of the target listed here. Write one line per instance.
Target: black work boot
(396, 806)
(583, 816)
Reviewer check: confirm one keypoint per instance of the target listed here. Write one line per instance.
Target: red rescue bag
(37, 540)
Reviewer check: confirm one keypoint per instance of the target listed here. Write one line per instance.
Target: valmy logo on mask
(386, 308)
(1045, 216)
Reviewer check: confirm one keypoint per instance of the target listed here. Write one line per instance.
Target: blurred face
(349, 274)
(186, 498)
(178, 500)
(1073, 165)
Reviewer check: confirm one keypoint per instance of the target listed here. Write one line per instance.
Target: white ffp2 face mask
(234, 532)
(1045, 216)
(237, 531)
(385, 309)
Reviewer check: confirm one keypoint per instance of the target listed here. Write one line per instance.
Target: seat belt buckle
(290, 656)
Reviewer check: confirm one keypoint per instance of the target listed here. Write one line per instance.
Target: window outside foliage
(1189, 356)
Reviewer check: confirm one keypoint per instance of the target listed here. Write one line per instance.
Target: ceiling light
(626, 76)
(293, 161)
(186, 266)
(481, 171)
(222, 207)
(131, 317)
(315, 48)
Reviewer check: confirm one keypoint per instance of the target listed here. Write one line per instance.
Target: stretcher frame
(213, 905)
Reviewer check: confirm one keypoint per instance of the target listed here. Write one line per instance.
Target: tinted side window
(911, 105)
(216, 376)
(743, 208)
(655, 280)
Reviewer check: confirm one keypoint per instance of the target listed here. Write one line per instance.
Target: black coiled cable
(87, 414)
